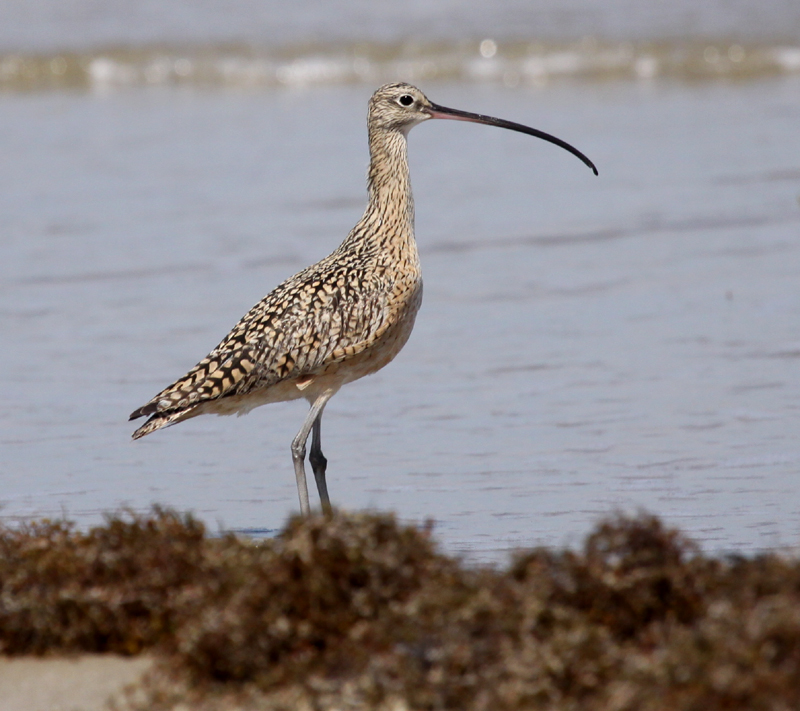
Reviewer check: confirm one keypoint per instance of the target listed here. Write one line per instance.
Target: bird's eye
(406, 100)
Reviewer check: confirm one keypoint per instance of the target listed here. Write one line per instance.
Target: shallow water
(585, 343)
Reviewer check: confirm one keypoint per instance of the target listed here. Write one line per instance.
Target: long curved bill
(442, 112)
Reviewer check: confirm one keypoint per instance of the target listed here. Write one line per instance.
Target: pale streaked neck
(388, 182)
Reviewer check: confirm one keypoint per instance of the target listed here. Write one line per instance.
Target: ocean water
(585, 344)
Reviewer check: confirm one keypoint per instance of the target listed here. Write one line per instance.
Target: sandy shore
(80, 683)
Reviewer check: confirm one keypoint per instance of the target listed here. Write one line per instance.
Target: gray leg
(319, 464)
(299, 450)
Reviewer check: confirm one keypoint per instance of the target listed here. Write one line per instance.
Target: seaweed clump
(107, 590)
(361, 612)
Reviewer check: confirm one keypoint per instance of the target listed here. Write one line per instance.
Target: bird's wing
(306, 323)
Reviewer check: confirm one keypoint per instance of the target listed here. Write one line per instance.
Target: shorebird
(338, 320)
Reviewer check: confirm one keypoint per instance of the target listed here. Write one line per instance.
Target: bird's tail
(161, 419)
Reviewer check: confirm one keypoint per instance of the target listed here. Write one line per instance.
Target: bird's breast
(400, 316)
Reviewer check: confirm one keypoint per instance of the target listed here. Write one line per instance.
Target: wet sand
(78, 683)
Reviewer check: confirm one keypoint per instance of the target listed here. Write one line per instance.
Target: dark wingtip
(148, 409)
(153, 423)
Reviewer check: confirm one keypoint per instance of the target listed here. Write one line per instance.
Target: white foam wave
(480, 61)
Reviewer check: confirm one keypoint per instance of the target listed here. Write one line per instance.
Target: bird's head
(400, 106)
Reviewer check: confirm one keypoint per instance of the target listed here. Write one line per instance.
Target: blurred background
(585, 344)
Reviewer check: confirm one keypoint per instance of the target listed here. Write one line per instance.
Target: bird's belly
(242, 404)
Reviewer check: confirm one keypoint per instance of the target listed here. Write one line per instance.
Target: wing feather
(319, 316)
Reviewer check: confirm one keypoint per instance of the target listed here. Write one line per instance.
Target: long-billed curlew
(338, 320)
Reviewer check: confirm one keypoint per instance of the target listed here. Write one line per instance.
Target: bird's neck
(389, 218)
(388, 181)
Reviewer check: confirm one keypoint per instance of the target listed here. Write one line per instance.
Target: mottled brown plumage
(336, 321)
